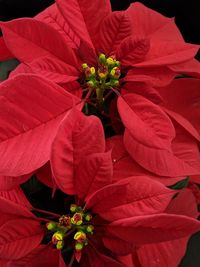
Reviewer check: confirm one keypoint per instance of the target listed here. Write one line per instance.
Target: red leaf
(191, 67)
(31, 110)
(41, 256)
(54, 70)
(142, 196)
(80, 16)
(132, 50)
(113, 30)
(19, 237)
(5, 54)
(153, 228)
(183, 97)
(93, 173)
(44, 174)
(163, 254)
(118, 246)
(4, 263)
(148, 137)
(156, 76)
(143, 89)
(78, 136)
(74, 14)
(185, 147)
(124, 166)
(184, 203)
(53, 17)
(149, 23)
(9, 182)
(146, 121)
(92, 257)
(14, 202)
(41, 40)
(186, 124)
(168, 53)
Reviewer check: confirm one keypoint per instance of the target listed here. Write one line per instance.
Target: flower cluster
(99, 139)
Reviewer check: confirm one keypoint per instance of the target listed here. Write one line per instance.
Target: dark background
(187, 17)
(186, 12)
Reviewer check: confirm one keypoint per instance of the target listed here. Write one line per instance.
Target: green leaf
(180, 185)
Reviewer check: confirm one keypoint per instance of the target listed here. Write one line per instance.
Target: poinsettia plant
(99, 138)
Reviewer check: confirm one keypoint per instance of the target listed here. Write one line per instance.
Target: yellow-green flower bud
(79, 246)
(114, 82)
(58, 236)
(51, 226)
(77, 219)
(60, 244)
(88, 217)
(73, 207)
(91, 84)
(84, 65)
(90, 229)
(102, 58)
(80, 236)
(110, 61)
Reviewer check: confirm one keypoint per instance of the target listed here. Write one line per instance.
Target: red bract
(181, 100)
(151, 140)
(166, 253)
(20, 231)
(31, 110)
(124, 214)
(5, 54)
(68, 34)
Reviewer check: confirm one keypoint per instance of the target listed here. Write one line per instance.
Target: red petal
(182, 96)
(132, 50)
(113, 30)
(14, 202)
(52, 69)
(142, 89)
(44, 174)
(53, 17)
(148, 136)
(124, 166)
(80, 15)
(93, 173)
(130, 197)
(167, 53)
(19, 237)
(31, 110)
(118, 246)
(91, 257)
(153, 228)
(4, 263)
(167, 44)
(186, 124)
(149, 23)
(163, 254)
(189, 208)
(157, 76)
(130, 260)
(146, 121)
(191, 67)
(8, 182)
(185, 147)
(5, 54)
(41, 256)
(41, 40)
(78, 136)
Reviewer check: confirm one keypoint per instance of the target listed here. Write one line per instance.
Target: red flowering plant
(98, 138)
